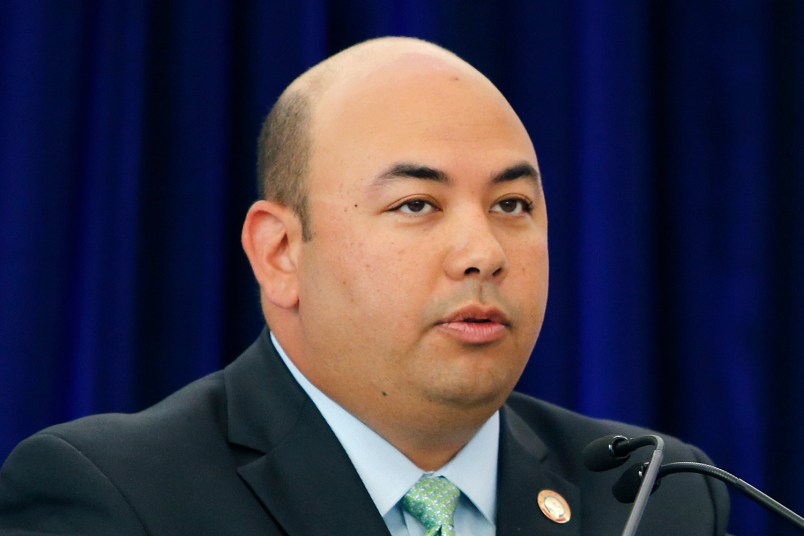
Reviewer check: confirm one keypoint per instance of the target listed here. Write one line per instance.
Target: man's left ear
(272, 238)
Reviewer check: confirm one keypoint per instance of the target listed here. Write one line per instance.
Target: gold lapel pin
(554, 506)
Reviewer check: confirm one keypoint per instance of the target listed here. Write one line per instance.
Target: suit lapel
(301, 474)
(522, 475)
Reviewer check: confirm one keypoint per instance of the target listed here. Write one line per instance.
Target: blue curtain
(670, 136)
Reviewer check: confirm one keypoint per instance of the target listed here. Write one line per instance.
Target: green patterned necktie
(432, 501)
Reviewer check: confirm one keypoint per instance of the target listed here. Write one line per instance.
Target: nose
(474, 251)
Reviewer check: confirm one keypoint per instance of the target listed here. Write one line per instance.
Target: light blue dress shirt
(388, 474)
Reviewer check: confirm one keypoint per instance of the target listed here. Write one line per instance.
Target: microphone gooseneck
(625, 488)
(651, 474)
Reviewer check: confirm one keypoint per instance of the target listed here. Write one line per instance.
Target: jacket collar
(300, 473)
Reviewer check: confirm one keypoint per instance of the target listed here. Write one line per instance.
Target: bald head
(286, 141)
(362, 59)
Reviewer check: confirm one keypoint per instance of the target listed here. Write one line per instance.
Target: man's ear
(272, 238)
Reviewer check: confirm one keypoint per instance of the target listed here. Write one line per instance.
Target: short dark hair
(283, 155)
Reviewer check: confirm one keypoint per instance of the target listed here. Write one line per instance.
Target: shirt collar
(387, 473)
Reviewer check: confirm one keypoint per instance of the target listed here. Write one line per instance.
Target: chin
(468, 395)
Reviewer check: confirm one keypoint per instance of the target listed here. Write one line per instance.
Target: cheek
(528, 258)
(390, 276)
(372, 271)
(529, 278)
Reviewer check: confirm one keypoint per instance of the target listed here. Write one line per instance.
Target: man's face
(425, 281)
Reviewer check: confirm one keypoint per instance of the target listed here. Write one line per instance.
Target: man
(401, 252)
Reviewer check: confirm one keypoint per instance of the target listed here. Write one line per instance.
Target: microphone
(612, 451)
(626, 488)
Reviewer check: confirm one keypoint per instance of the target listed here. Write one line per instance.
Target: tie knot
(432, 501)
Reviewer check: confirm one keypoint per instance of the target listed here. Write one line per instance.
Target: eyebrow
(408, 170)
(523, 170)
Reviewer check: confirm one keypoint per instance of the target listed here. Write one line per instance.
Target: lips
(475, 324)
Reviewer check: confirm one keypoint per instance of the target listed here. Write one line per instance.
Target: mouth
(477, 314)
(475, 325)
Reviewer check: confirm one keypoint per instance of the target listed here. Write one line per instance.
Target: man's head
(417, 293)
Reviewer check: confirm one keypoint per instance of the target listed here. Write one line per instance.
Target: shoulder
(684, 502)
(47, 484)
(87, 473)
(195, 413)
(564, 430)
(120, 473)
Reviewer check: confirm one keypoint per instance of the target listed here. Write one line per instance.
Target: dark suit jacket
(244, 451)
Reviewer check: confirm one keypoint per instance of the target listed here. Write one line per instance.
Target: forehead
(415, 108)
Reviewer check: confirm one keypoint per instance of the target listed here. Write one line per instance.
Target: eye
(415, 206)
(513, 206)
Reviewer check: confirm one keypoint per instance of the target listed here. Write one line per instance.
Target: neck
(430, 444)
(428, 454)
